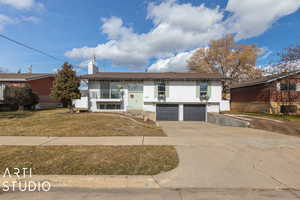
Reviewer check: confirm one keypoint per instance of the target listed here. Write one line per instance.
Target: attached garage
(194, 112)
(167, 112)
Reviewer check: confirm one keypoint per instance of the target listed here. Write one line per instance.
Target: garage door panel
(194, 113)
(167, 112)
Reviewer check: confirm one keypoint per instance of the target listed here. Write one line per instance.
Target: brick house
(273, 94)
(40, 84)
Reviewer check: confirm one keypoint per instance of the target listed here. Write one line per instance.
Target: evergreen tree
(66, 85)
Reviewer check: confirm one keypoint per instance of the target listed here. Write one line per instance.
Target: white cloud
(6, 20)
(176, 63)
(169, 36)
(114, 28)
(253, 17)
(181, 28)
(32, 19)
(23, 4)
(264, 53)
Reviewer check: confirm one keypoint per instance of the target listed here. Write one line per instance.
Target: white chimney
(92, 66)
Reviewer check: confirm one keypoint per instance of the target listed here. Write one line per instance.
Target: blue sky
(137, 34)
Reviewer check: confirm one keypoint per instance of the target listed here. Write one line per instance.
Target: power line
(31, 48)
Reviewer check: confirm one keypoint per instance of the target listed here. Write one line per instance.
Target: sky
(139, 35)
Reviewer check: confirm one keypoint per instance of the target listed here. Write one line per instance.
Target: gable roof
(152, 76)
(266, 79)
(7, 77)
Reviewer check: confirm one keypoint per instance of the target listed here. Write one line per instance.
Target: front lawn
(285, 124)
(61, 123)
(89, 160)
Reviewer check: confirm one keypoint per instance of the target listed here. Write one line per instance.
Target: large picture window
(110, 90)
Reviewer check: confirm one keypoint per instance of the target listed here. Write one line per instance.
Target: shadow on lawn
(13, 115)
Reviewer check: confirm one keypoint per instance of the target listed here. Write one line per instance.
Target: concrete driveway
(229, 157)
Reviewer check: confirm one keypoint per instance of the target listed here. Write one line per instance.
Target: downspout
(88, 96)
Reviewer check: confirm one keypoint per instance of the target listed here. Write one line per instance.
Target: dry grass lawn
(89, 160)
(290, 124)
(60, 123)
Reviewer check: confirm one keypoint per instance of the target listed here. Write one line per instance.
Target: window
(288, 86)
(104, 90)
(203, 89)
(108, 106)
(135, 87)
(161, 89)
(110, 90)
(285, 109)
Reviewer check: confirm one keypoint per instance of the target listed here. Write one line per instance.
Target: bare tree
(224, 56)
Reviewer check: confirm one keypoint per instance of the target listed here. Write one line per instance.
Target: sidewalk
(188, 140)
(91, 182)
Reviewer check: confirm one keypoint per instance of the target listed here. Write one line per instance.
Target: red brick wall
(42, 87)
(257, 93)
(265, 92)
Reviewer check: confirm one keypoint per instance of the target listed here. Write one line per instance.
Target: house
(273, 94)
(166, 96)
(40, 84)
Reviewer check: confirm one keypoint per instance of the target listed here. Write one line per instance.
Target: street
(155, 194)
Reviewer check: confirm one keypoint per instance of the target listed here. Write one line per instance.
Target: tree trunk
(70, 106)
(21, 108)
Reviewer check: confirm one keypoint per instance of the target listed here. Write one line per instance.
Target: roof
(22, 77)
(152, 76)
(263, 80)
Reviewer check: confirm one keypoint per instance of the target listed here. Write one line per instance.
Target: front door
(135, 96)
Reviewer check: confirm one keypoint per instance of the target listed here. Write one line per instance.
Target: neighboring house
(167, 96)
(40, 84)
(271, 94)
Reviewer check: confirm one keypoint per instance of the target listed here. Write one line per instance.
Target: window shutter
(197, 89)
(167, 89)
(155, 90)
(298, 87)
(278, 86)
(209, 90)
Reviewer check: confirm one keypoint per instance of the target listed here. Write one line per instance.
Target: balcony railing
(106, 94)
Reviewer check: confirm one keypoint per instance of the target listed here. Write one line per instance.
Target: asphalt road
(154, 194)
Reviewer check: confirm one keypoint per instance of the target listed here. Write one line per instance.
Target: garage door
(166, 112)
(194, 113)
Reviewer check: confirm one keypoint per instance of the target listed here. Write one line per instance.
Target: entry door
(167, 112)
(135, 96)
(194, 113)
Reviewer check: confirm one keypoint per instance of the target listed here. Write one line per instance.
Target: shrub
(21, 96)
